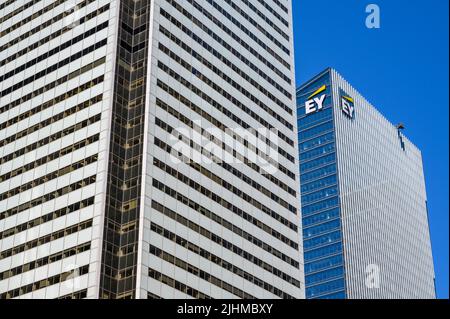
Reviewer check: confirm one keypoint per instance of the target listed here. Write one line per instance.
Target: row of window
(325, 263)
(320, 206)
(236, 210)
(321, 217)
(132, 49)
(50, 138)
(124, 228)
(46, 239)
(199, 273)
(217, 70)
(45, 260)
(316, 130)
(250, 34)
(331, 286)
(254, 52)
(50, 176)
(47, 218)
(263, 30)
(221, 57)
(50, 120)
(226, 224)
(131, 122)
(121, 273)
(31, 17)
(321, 240)
(190, 143)
(133, 31)
(220, 89)
(267, 19)
(323, 139)
(231, 49)
(278, 3)
(45, 283)
(50, 157)
(218, 124)
(176, 285)
(318, 184)
(58, 99)
(323, 251)
(316, 152)
(218, 261)
(18, 10)
(317, 174)
(54, 67)
(81, 294)
(50, 53)
(319, 195)
(44, 25)
(321, 228)
(335, 295)
(49, 86)
(232, 99)
(219, 39)
(318, 162)
(6, 3)
(208, 193)
(125, 179)
(222, 242)
(47, 197)
(324, 275)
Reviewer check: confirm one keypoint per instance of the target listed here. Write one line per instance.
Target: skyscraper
(107, 190)
(363, 198)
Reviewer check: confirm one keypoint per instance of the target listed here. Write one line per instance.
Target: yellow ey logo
(315, 104)
(348, 106)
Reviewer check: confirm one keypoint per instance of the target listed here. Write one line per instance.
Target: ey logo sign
(347, 105)
(315, 102)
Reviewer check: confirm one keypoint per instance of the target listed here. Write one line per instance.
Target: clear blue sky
(402, 69)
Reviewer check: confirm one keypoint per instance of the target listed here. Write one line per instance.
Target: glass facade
(321, 218)
(121, 228)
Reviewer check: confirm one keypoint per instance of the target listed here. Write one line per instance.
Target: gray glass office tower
(363, 198)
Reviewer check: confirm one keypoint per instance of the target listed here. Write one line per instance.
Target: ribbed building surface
(100, 109)
(56, 76)
(366, 234)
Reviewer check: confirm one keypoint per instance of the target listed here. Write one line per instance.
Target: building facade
(363, 198)
(107, 190)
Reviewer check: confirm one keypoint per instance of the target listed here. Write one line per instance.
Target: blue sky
(402, 69)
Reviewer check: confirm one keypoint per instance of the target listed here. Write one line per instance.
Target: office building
(363, 198)
(106, 190)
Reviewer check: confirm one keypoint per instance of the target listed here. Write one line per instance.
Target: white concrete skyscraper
(148, 149)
